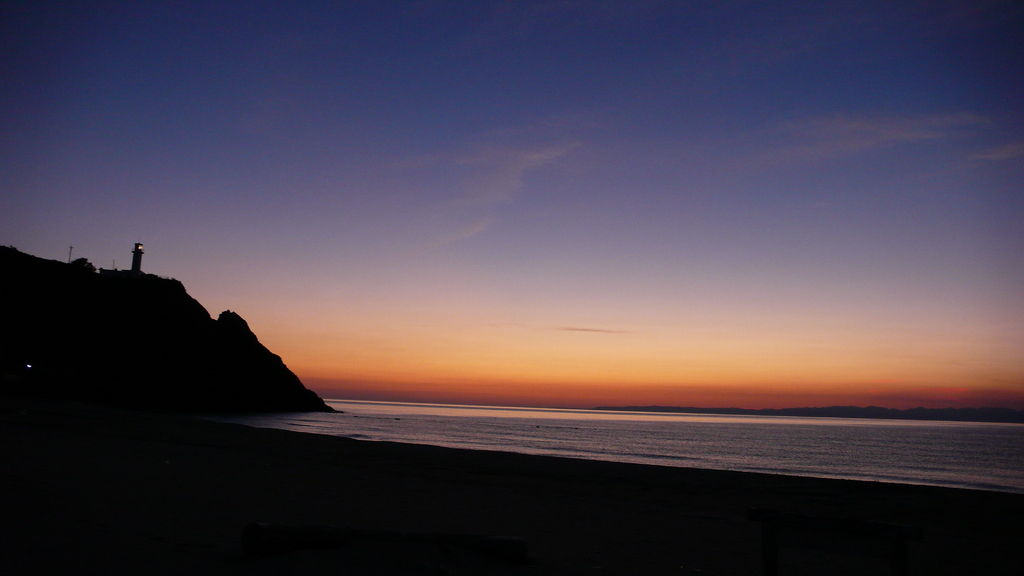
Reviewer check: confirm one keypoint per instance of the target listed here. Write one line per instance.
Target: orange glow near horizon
(562, 395)
(620, 355)
(462, 358)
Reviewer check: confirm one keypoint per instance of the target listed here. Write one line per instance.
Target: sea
(972, 455)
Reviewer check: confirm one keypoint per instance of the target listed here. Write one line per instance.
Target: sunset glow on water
(956, 454)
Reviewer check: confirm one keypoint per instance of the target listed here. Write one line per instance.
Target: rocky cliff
(136, 342)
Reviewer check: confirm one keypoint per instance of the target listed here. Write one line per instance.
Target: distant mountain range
(1006, 415)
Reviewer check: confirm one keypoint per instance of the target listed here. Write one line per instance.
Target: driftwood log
(260, 539)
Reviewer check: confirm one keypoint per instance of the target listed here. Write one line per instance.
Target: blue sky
(679, 201)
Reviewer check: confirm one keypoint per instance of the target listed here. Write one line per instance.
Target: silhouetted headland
(1007, 415)
(132, 340)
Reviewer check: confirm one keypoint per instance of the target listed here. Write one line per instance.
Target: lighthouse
(137, 259)
(136, 270)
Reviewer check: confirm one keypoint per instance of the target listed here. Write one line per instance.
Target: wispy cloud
(600, 330)
(467, 231)
(840, 134)
(813, 139)
(495, 173)
(471, 186)
(1006, 152)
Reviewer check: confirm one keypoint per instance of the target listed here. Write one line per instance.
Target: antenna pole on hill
(70, 248)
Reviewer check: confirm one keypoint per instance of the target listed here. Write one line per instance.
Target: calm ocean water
(958, 454)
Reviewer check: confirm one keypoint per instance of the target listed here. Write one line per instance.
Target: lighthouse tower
(137, 259)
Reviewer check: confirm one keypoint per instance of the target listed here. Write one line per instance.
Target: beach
(91, 490)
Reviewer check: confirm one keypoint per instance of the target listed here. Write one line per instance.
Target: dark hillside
(136, 342)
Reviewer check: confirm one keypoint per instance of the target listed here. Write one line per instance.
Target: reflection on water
(960, 454)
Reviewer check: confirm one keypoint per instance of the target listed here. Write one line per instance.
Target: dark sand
(86, 490)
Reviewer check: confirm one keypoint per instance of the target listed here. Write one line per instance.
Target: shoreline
(984, 468)
(87, 489)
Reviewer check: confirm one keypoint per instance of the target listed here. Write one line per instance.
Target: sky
(549, 203)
